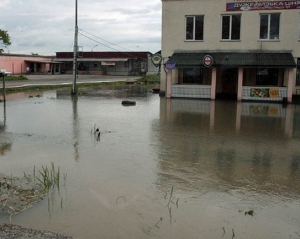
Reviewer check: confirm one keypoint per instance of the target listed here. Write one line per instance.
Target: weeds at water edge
(19, 194)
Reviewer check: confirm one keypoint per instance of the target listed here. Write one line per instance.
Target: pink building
(17, 64)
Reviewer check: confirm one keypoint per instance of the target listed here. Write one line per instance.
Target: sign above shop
(170, 66)
(208, 60)
(156, 59)
(261, 5)
(108, 63)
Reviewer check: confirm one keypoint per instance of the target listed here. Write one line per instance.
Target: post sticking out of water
(4, 91)
(74, 88)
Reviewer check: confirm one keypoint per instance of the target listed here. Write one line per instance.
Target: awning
(223, 59)
(43, 61)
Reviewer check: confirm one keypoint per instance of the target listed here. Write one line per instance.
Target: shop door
(229, 81)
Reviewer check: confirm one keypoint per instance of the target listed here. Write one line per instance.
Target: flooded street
(162, 169)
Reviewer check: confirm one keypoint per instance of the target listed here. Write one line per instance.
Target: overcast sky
(47, 26)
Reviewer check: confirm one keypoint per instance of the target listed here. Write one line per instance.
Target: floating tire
(128, 103)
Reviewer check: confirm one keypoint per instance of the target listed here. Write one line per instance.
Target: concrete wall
(16, 63)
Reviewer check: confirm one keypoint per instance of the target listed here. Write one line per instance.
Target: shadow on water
(164, 168)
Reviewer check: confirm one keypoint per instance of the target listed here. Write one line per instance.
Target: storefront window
(267, 76)
(298, 72)
(192, 75)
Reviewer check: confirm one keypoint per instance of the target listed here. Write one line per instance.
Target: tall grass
(49, 177)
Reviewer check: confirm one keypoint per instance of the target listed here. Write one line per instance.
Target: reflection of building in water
(206, 144)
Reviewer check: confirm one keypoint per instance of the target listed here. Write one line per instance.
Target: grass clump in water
(19, 194)
(49, 177)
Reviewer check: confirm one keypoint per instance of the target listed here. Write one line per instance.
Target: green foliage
(15, 78)
(250, 212)
(4, 39)
(152, 79)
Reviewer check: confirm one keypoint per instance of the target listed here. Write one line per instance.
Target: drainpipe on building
(166, 85)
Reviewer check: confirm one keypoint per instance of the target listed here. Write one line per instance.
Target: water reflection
(5, 144)
(76, 126)
(221, 158)
(250, 146)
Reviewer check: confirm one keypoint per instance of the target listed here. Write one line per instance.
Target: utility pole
(3, 74)
(74, 88)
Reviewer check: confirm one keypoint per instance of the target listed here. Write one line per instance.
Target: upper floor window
(194, 28)
(231, 27)
(269, 26)
(299, 28)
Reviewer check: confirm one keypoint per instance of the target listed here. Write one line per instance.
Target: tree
(4, 39)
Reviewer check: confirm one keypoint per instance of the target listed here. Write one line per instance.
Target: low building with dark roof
(108, 63)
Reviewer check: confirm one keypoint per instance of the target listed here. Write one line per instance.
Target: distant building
(246, 50)
(108, 63)
(17, 64)
(101, 63)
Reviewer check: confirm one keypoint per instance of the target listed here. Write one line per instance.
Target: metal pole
(74, 88)
(4, 91)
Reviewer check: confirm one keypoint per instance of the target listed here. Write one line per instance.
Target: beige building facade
(245, 50)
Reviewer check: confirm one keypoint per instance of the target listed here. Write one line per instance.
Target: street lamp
(94, 47)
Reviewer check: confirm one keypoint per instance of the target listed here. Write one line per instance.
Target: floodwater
(162, 169)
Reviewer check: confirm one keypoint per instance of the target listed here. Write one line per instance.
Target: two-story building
(246, 50)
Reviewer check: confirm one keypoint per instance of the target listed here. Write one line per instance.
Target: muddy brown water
(162, 169)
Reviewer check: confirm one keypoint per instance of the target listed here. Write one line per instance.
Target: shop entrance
(228, 81)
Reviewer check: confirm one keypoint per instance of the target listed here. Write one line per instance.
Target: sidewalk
(64, 79)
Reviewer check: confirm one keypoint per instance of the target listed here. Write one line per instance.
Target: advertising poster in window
(264, 92)
(259, 92)
(261, 5)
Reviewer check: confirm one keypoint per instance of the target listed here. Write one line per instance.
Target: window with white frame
(269, 26)
(298, 72)
(299, 28)
(194, 28)
(231, 27)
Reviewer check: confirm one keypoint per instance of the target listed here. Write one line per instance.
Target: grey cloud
(35, 26)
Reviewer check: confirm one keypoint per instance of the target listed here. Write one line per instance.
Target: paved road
(64, 79)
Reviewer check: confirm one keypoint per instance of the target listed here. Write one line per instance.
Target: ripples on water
(221, 159)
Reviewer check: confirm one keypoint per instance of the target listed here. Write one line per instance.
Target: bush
(13, 78)
(153, 78)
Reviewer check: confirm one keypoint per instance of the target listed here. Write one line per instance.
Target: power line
(81, 34)
(104, 40)
(125, 53)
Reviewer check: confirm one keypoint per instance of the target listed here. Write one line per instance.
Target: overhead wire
(126, 53)
(104, 40)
